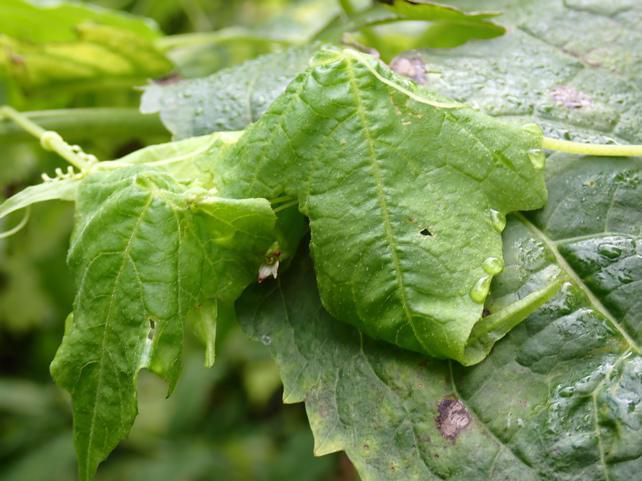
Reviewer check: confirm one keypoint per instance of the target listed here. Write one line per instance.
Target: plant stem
(49, 139)
(214, 38)
(22, 121)
(601, 150)
(120, 123)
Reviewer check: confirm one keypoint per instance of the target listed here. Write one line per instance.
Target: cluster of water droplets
(491, 265)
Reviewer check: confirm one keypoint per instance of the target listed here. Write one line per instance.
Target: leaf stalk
(599, 150)
(51, 140)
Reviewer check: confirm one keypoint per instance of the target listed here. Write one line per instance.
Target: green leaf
(395, 28)
(383, 171)
(188, 161)
(65, 44)
(573, 67)
(428, 10)
(55, 20)
(559, 398)
(145, 252)
(55, 189)
(228, 100)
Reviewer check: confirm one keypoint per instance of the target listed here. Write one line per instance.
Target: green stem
(73, 124)
(600, 150)
(50, 139)
(214, 38)
(22, 121)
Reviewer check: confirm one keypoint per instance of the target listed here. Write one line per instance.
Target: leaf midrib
(381, 198)
(577, 280)
(126, 257)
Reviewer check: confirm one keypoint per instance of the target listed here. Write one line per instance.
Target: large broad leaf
(574, 67)
(559, 398)
(228, 100)
(146, 254)
(384, 172)
(63, 44)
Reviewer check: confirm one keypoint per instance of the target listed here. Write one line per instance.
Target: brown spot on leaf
(570, 98)
(413, 68)
(453, 418)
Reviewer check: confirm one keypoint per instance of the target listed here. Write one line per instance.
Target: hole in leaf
(425, 232)
(152, 329)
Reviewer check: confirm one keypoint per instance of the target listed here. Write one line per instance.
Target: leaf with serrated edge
(559, 398)
(144, 255)
(547, 69)
(384, 172)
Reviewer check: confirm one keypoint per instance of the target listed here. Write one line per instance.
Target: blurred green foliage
(224, 423)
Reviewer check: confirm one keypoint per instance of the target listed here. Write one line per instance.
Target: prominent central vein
(577, 280)
(381, 197)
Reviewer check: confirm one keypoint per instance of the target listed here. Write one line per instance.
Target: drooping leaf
(559, 398)
(64, 44)
(56, 189)
(407, 189)
(145, 252)
(227, 100)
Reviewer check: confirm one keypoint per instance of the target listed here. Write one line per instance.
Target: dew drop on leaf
(498, 220)
(537, 158)
(609, 250)
(480, 290)
(493, 265)
(567, 391)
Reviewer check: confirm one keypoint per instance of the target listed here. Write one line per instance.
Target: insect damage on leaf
(453, 418)
(364, 150)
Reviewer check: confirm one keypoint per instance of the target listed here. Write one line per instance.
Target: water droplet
(493, 265)
(537, 158)
(533, 129)
(480, 290)
(266, 340)
(498, 220)
(567, 391)
(609, 250)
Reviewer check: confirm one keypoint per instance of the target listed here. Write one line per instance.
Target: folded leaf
(408, 189)
(145, 252)
(559, 398)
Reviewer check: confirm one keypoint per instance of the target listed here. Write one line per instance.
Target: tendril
(19, 227)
